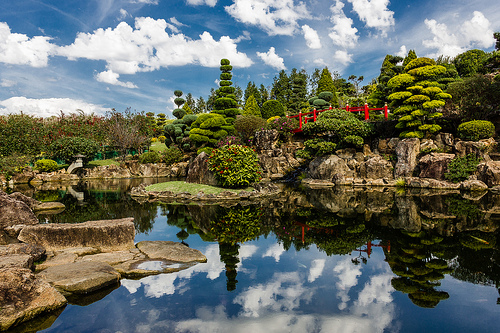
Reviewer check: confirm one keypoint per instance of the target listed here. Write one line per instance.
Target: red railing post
(330, 107)
(367, 115)
(347, 107)
(300, 120)
(314, 115)
(385, 111)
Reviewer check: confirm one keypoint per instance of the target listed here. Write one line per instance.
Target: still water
(335, 260)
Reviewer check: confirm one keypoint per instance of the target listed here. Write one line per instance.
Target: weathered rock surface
(266, 140)
(106, 235)
(16, 260)
(276, 163)
(35, 251)
(434, 165)
(13, 212)
(49, 206)
(376, 168)
(32, 203)
(473, 185)
(24, 176)
(80, 277)
(489, 173)
(407, 151)
(198, 172)
(170, 251)
(416, 182)
(23, 296)
(331, 168)
(479, 148)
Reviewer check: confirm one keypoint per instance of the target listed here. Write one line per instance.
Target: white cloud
(210, 3)
(473, 33)
(19, 49)
(176, 22)
(272, 59)
(149, 2)
(374, 13)
(311, 36)
(274, 251)
(47, 107)
(112, 78)
(123, 14)
(148, 47)
(317, 267)
(276, 17)
(343, 57)
(343, 33)
(348, 278)
(7, 83)
(403, 52)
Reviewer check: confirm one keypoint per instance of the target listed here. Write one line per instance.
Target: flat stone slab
(35, 251)
(80, 277)
(172, 251)
(16, 260)
(136, 269)
(49, 206)
(113, 258)
(106, 235)
(23, 296)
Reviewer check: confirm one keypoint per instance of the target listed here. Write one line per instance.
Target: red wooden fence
(304, 118)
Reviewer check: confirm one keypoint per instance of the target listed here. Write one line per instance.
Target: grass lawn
(180, 186)
(157, 146)
(109, 161)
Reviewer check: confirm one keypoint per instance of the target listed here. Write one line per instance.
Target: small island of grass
(181, 186)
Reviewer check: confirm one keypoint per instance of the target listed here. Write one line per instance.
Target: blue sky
(95, 55)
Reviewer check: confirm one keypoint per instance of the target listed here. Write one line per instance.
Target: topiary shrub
(46, 165)
(354, 141)
(272, 108)
(172, 155)
(235, 166)
(246, 126)
(476, 130)
(67, 147)
(150, 157)
(316, 147)
(162, 138)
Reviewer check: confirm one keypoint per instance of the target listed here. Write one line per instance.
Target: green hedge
(476, 130)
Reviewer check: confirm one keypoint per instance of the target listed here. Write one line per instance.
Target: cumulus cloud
(112, 78)
(343, 33)
(47, 107)
(275, 251)
(476, 32)
(317, 267)
(348, 278)
(210, 3)
(343, 57)
(374, 13)
(272, 59)
(403, 52)
(19, 49)
(276, 17)
(148, 47)
(7, 83)
(311, 36)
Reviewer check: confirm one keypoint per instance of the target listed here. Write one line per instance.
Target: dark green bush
(272, 108)
(235, 166)
(10, 165)
(316, 147)
(67, 147)
(46, 165)
(354, 141)
(246, 126)
(150, 157)
(172, 155)
(476, 130)
(460, 168)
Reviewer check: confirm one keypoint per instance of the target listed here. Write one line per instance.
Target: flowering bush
(235, 166)
(229, 140)
(284, 126)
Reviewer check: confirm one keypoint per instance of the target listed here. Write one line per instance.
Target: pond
(331, 260)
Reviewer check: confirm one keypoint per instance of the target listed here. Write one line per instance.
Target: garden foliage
(460, 168)
(46, 165)
(476, 130)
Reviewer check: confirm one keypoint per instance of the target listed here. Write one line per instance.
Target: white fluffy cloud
(276, 17)
(19, 49)
(311, 37)
(343, 33)
(473, 33)
(148, 47)
(374, 13)
(272, 59)
(343, 57)
(112, 78)
(47, 107)
(210, 3)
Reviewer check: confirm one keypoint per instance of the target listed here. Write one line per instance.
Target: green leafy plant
(172, 155)
(235, 166)
(284, 126)
(67, 147)
(150, 157)
(10, 165)
(46, 165)
(272, 108)
(476, 130)
(247, 125)
(460, 168)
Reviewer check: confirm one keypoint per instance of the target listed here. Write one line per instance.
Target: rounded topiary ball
(476, 130)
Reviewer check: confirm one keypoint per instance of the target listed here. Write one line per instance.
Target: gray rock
(49, 206)
(479, 148)
(434, 165)
(376, 168)
(198, 172)
(331, 168)
(35, 251)
(106, 235)
(407, 151)
(23, 296)
(266, 140)
(170, 251)
(13, 212)
(16, 260)
(80, 277)
(32, 203)
(473, 185)
(489, 173)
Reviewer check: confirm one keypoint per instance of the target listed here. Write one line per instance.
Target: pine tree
(251, 107)
(264, 95)
(325, 83)
(201, 106)
(281, 89)
(411, 56)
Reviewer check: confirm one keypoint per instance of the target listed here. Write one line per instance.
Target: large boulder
(106, 235)
(14, 212)
(276, 163)
(479, 148)
(489, 173)
(376, 168)
(35, 251)
(23, 296)
(434, 165)
(331, 168)
(198, 172)
(24, 176)
(266, 140)
(32, 203)
(407, 151)
(168, 250)
(80, 277)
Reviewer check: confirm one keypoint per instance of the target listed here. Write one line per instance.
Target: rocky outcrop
(23, 297)
(407, 151)
(170, 251)
(35, 251)
(106, 235)
(479, 148)
(376, 168)
(199, 173)
(276, 163)
(14, 212)
(489, 173)
(266, 140)
(330, 168)
(434, 165)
